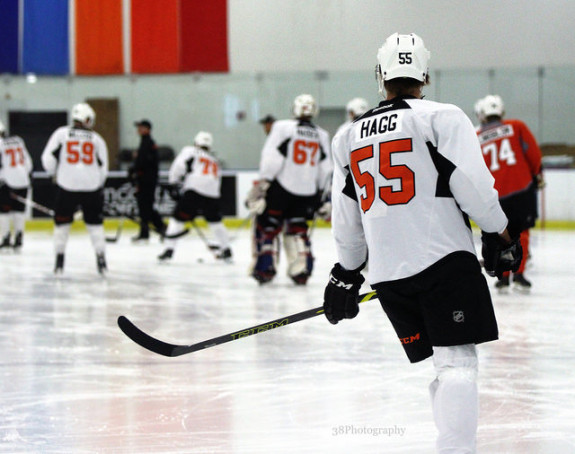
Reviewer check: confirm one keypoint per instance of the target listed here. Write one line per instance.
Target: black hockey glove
(500, 256)
(340, 299)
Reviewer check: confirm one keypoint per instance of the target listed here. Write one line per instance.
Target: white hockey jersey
(297, 155)
(199, 170)
(406, 175)
(15, 162)
(78, 158)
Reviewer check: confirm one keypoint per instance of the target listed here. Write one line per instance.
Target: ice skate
(59, 267)
(101, 263)
(521, 284)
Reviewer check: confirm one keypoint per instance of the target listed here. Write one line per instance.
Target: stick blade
(146, 341)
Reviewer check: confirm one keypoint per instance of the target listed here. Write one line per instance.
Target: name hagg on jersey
(389, 122)
(497, 133)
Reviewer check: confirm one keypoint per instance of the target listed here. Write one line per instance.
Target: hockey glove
(256, 199)
(324, 211)
(500, 256)
(341, 296)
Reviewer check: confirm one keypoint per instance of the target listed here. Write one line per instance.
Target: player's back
(16, 162)
(296, 154)
(202, 171)
(408, 157)
(504, 152)
(78, 156)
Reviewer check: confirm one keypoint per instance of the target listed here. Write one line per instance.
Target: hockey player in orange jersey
(514, 159)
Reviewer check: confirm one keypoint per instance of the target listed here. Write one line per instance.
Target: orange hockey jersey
(511, 153)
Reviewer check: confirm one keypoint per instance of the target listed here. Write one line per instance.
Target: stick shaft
(166, 349)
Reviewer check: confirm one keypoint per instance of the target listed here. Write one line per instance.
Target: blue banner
(8, 36)
(46, 37)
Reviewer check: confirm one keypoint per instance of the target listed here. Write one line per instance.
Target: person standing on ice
(198, 170)
(407, 174)
(15, 180)
(77, 157)
(294, 169)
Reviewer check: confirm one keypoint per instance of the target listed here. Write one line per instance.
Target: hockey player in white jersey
(15, 179)
(294, 168)
(197, 170)
(77, 157)
(407, 175)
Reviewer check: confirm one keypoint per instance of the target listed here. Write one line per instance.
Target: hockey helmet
(492, 105)
(83, 113)
(203, 139)
(357, 107)
(305, 106)
(402, 56)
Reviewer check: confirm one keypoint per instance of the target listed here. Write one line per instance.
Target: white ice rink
(71, 382)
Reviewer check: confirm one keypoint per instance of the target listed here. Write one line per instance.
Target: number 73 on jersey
(383, 152)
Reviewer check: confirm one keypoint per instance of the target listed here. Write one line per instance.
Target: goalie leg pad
(298, 251)
(265, 250)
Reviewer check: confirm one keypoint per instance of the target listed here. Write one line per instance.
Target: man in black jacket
(144, 175)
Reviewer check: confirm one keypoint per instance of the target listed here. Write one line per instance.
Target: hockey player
(406, 176)
(514, 159)
(198, 171)
(294, 168)
(77, 157)
(15, 179)
(355, 108)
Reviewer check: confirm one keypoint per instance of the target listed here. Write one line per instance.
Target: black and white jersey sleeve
(407, 176)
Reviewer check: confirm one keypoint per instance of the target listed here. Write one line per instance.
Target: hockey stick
(33, 204)
(163, 348)
(115, 238)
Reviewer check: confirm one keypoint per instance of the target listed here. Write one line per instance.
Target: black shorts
(521, 209)
(446, 304)
(193, 204)
(284, 205)
(67, 202)
(8, 203)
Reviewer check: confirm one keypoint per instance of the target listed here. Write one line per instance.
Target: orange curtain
(204, 34)
(99, 37)
(155, 36)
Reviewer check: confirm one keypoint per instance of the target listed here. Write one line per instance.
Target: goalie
(294, 168)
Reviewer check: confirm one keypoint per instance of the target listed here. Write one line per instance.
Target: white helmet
(203, 139)
(492, 105)
(83, 113)
(357, 107)
(478, 109)
(2, 128)
(402, 56)
(305, 106)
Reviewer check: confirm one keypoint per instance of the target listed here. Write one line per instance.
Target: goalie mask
(203, 139)
(402, 56)
(305, 106)
(492, 105)
(84, 114)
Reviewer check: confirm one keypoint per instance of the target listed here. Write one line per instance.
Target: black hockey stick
(114, 239)
(165, 349)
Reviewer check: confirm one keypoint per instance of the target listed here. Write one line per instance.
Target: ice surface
(71, 382)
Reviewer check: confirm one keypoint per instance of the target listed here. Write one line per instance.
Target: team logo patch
(458, 317)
